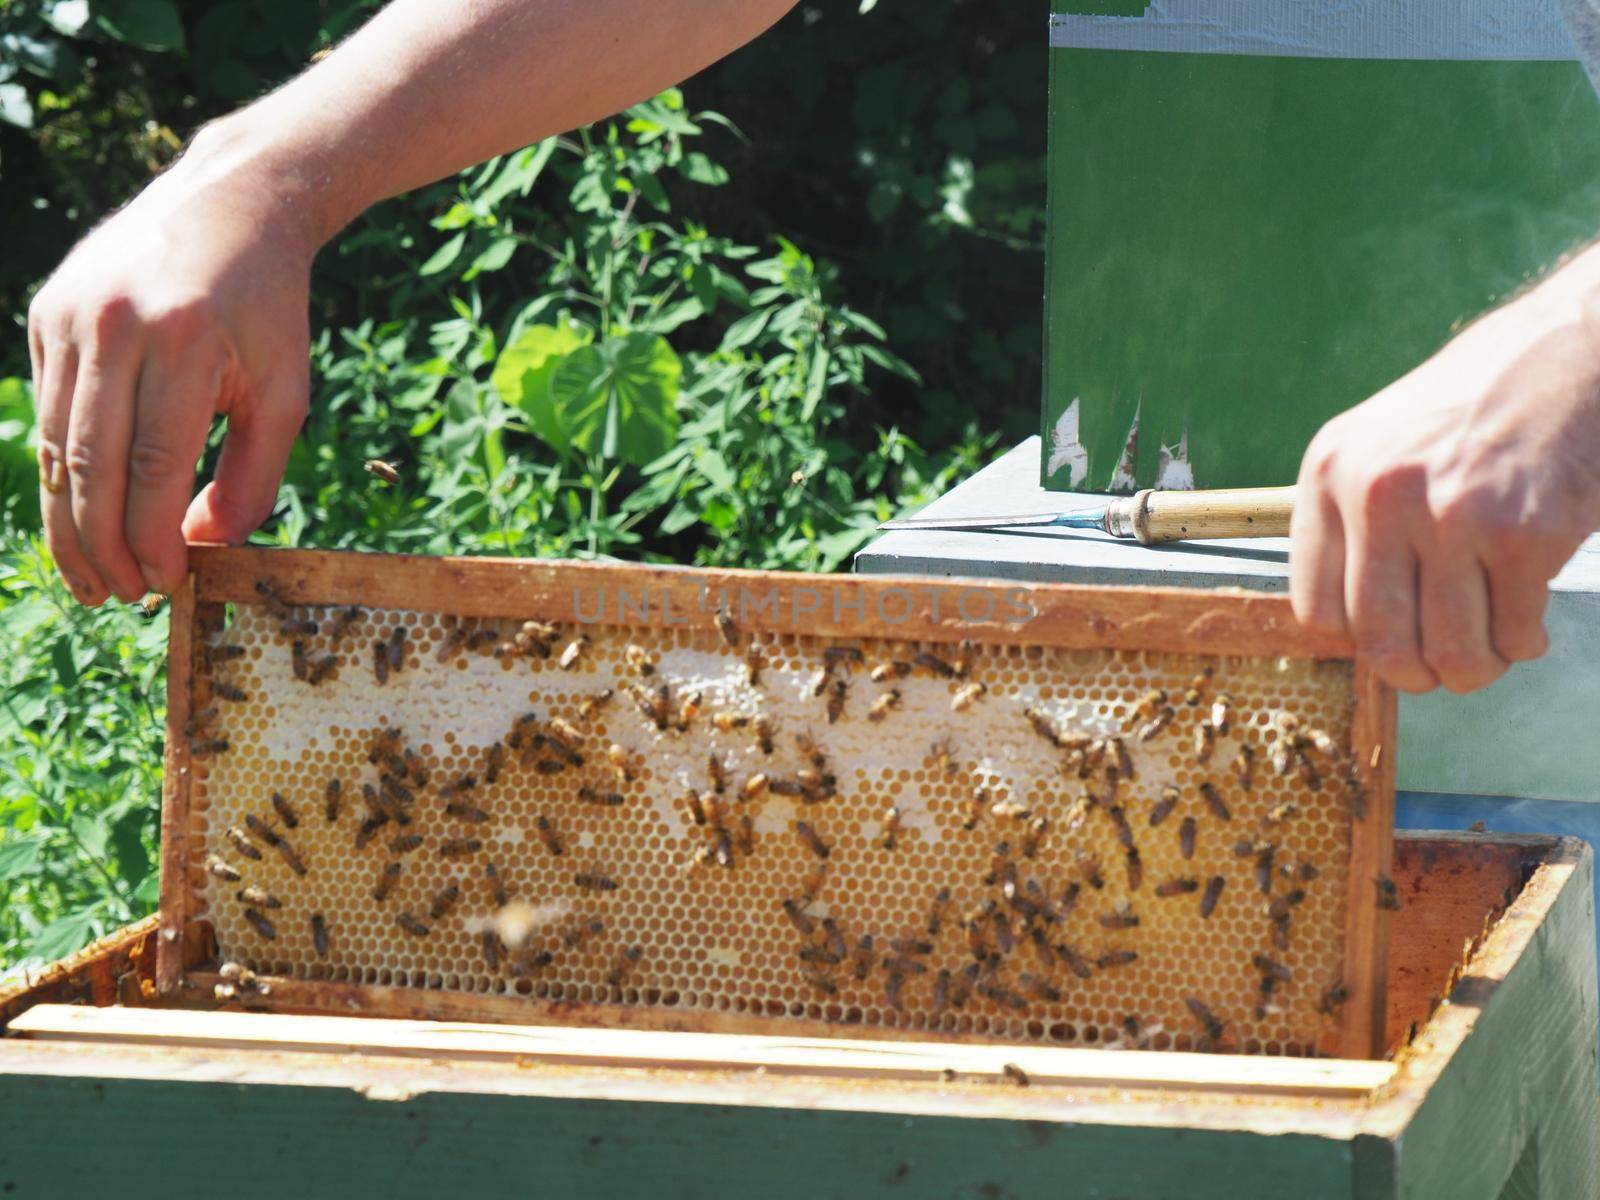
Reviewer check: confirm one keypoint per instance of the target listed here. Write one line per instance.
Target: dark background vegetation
(808, 285)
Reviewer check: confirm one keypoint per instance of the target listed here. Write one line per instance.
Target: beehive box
(1486, 1094)
(494, 790)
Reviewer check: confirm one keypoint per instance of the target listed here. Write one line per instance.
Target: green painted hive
(1262, 212)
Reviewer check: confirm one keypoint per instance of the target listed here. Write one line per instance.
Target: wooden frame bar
(1173, 621)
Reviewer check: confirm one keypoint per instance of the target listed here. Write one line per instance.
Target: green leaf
(618, 399)
(520, 173)
(444, 255)
(19, 856)
(66, 935)
(148, 24)
(66, 668)
(746, 329)
(522, 375)
(127, 843)
(700, 169)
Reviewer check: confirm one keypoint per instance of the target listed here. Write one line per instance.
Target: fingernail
(152, 580)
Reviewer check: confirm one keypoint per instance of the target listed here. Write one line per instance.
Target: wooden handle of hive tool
(1152, 516)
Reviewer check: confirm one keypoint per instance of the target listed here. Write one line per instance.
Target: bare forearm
(431, 86)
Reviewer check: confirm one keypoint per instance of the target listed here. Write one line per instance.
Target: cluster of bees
(1033, 929)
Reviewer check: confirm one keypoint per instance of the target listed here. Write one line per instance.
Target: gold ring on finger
(52, 471)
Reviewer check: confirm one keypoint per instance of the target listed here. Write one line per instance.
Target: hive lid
(924, 828)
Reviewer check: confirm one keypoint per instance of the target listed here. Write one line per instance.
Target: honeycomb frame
(635, 906)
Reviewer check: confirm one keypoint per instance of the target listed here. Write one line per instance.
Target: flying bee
(753, 662)
(459, 847)
(819, 682)
(1162, 809)
(574, 651)
(547, 835)
(1244, 766)
(465, 812)
(1153, 727)
(387, 878)
(380, 661)
(1208, 1019)
(1186, 833)
(222, 869)
(260, 924)
(966, 696)
(228, 691)
(1177, 887)
(810, 750)
(833, 939)
(285, 811)
(207, 747)
(715, 809)
(590, 708)
(1221, 712)
(497, 758)
(1280, 931)
(884, 705)
(1208, 902)
(1213, 799)
(837, 693)
(804, 925)
(727, 628)
(319, 935)
(891, 827)
(152, 603)
(443, 901)
(1122, 917)
(298, 627)
(411, 924)
(1116, 958)
(405, 843)
(930, 662)
(1388, 894)
(885, 672)
(385, 471)
(812, 840)
(1088, 867)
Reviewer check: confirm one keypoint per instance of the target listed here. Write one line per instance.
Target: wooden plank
(175, 829)
(1170, 620)
(224, 1031)
(1366, 931)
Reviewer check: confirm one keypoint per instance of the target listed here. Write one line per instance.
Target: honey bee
(285, 811)
(319, 935)
(815, 784)
(818, 980)
(891, 827)
(1205, 741)
(399, 794)
(386, 881)
(369, 828)
(590, 708)
(623, 966)
(152, 603)
(385, 471)
(465, 812)
(1271, 968)
(455, 637)
(609, 799)
(497, 758)
(261, 829)
(1281, 755)
(380, 661)
(322, 669)
(343, 621)
(833, 656)
(884, 672)
(1122, 917)
(1153, 727)
(405, 843)
(1282, 905)
(653, 705)
(753, 787)
(1309, 775)
(941, 991)
(813, 842)
(837, 693)
(443, 901)
(688, 710)
(1322, 742)
(815, 878)
(228, 691)
(930, 662)
(765, 731)
(1034, 838)
(199, 717)
(1208, 1019)
(1042, 989)
(746, 835)
(459, 847)
(1213, 799)
(977, 805)
(496, 885)
(1388, 894)
(1264, 861)
(943, 758)
(1208, 901)
(1043, 726)
(1116, 958)
(1162, 809)
(1177, 887)
(574, 651)
(1135, 868)
(270, 597)
(397, 650)
(1088, 866)
(891, 991)
(1124, 830)
(547, 835)
(206, 747)
(1221, 711)
(1151, 703)
(260, 924)
(299, 663)
(884, 704)
(259, 898)
(1197, 687)
(1074, 961)
(490, 941)
(1244, 766)
(222, 869)
(753, 662)
(1186, 835)
(1333, 998)
(481, 639)
(727, 628)
(459, 785)
(297, 627)
(1281, 812)
(411, 924)
(966, 696)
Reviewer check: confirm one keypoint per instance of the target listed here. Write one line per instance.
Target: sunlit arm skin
(1430, 519)
(192, 300)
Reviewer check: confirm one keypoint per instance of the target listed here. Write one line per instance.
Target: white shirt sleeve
(1583, 23)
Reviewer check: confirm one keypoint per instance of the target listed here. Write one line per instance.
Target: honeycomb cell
(546, 815)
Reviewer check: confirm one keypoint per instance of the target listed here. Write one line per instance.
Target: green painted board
(1241, 247)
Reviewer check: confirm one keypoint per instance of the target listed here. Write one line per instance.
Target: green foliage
(599, 345)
